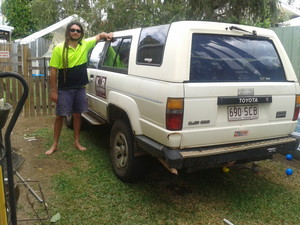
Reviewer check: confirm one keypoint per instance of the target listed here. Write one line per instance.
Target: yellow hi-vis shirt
(75, 76)
(76, 56)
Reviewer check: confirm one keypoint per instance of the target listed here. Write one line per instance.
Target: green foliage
(112, 15)
(18, 15)
(50, 11)
(144, 13)
(56, 10)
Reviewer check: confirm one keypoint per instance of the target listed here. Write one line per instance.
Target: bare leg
(57, 129)
(76, 125)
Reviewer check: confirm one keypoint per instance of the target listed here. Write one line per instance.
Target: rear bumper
(215, 156)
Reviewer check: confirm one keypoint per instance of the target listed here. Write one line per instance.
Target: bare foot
(80, 147)
(51, 150)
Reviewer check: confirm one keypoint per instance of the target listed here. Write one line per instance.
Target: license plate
(243, 112)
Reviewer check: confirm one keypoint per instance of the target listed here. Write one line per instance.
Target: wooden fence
(17, 58)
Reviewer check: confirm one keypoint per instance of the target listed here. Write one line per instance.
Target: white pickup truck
(194, 95)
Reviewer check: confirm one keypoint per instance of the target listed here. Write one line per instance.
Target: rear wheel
(69, 121)
(126, 166)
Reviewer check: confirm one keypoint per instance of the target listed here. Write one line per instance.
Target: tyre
(125, 165)
(69, 121)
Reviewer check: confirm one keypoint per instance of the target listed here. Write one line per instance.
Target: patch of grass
(89, 193)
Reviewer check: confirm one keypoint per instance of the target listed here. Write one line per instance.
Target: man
(68, 76)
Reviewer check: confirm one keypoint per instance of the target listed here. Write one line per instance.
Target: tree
(122, 14)
(51, 12)
(18, 15)
(111, 15)
(56, 10)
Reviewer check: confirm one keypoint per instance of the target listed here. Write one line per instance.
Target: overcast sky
(296, 3)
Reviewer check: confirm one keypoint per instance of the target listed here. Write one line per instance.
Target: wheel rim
(121, 151)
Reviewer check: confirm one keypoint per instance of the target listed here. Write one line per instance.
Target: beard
(75, 39)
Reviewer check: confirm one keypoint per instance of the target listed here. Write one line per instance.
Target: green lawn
(89, 193)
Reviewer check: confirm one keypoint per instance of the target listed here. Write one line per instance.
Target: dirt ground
(38, 168)
(30, 148)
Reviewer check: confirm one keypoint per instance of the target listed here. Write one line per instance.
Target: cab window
(96, 55)
(117, 54)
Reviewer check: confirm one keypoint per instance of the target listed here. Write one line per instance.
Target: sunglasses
(75, 30)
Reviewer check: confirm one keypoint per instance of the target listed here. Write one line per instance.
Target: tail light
(174, 113)
(297, 107)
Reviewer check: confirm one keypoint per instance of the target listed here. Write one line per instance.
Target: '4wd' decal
(100, 86)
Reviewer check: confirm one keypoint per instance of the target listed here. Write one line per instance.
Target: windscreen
(222, 58)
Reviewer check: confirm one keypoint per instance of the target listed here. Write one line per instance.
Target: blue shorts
(71, 101)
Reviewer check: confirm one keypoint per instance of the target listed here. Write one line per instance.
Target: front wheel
(126, 166)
